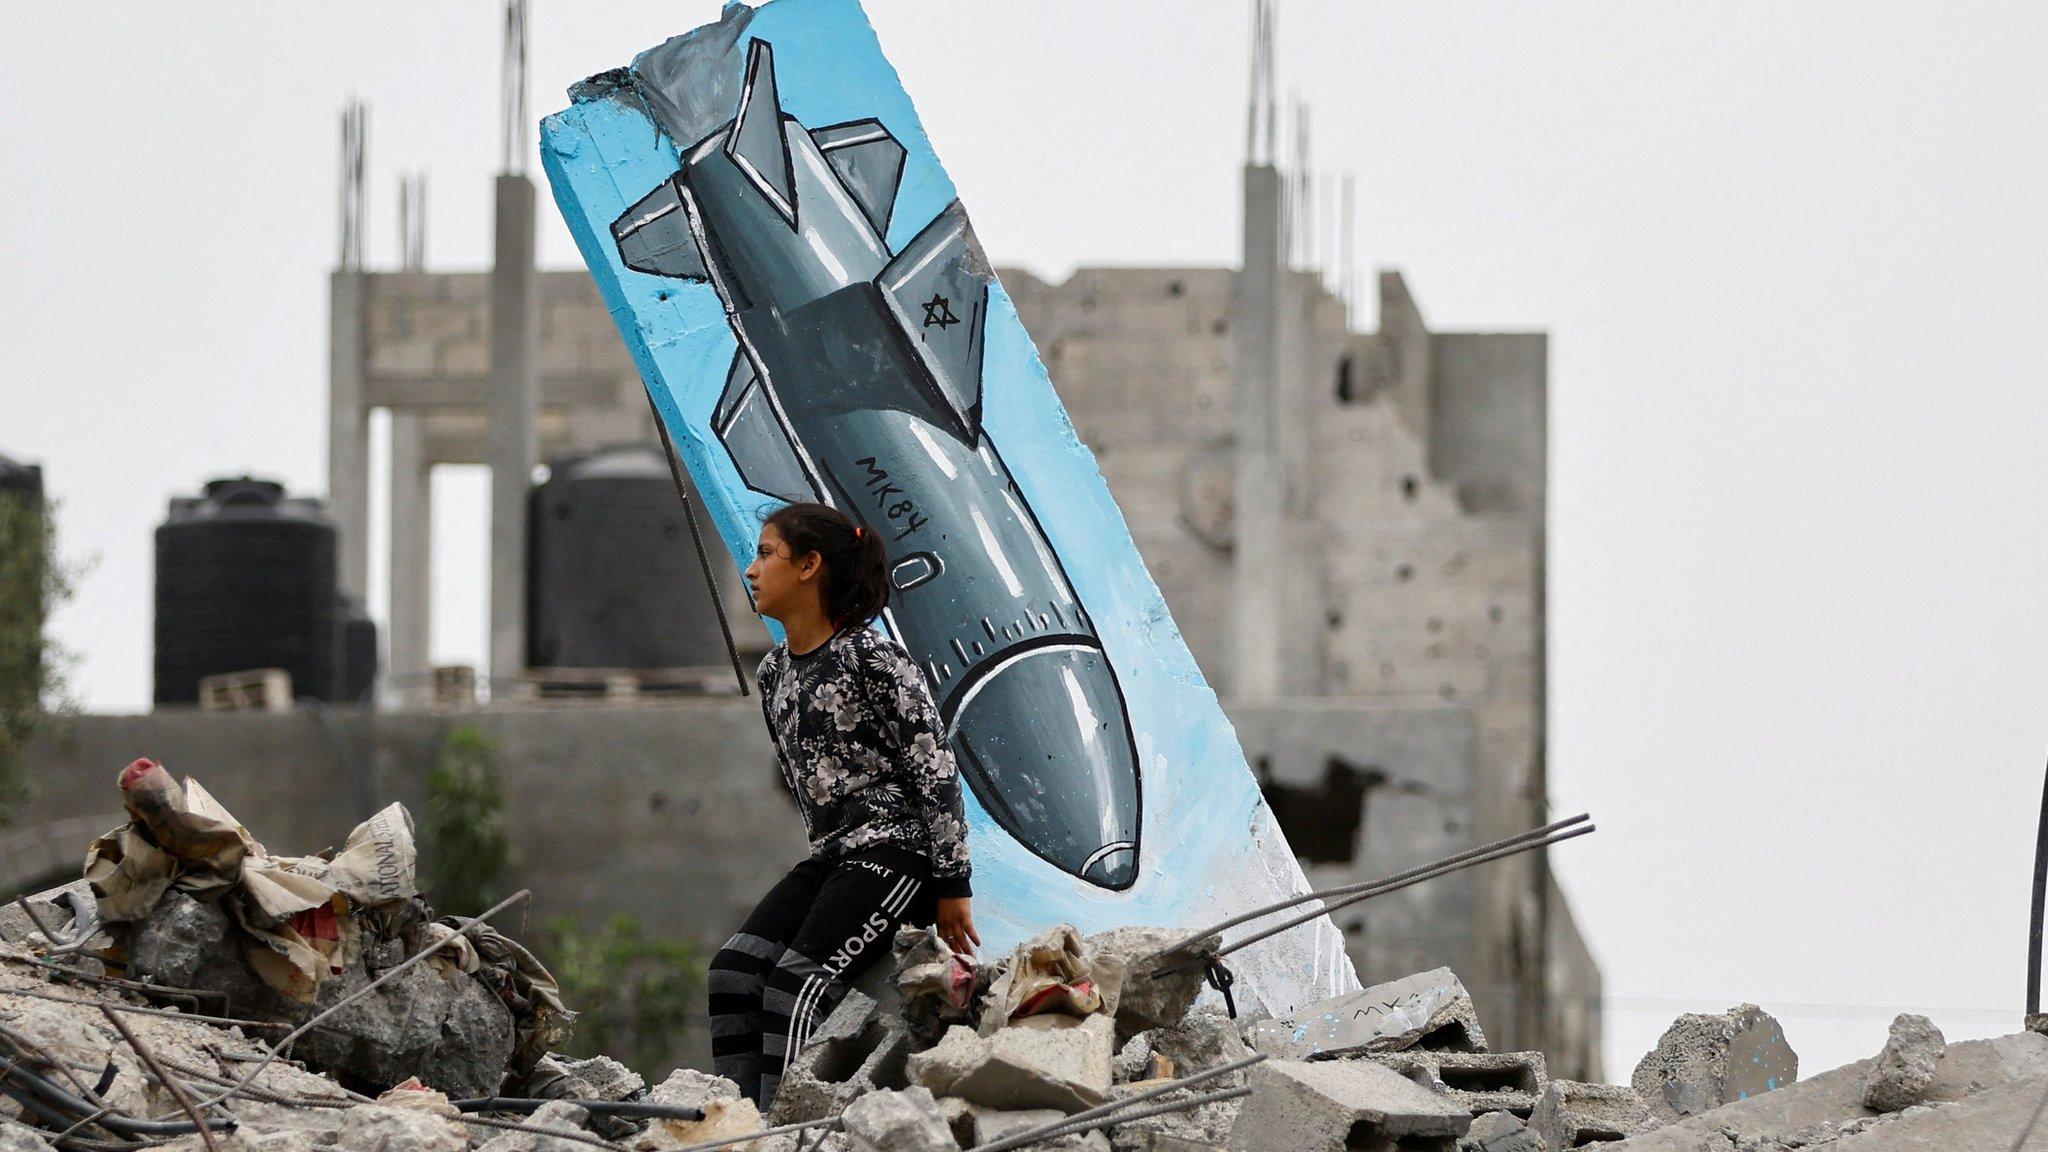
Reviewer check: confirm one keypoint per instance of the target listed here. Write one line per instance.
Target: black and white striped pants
(817, 930)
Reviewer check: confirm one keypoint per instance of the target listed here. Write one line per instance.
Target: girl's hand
(956, 924)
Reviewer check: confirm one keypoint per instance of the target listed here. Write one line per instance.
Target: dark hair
(856, 566)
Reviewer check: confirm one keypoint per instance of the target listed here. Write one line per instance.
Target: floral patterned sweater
(863, 751)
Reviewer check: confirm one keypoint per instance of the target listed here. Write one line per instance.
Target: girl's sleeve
(934, 780)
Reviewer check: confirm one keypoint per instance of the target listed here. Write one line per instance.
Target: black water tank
(245, 579)
(612, 580)
(358, 652)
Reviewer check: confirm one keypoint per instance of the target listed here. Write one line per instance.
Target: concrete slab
(1341, 1106)
(1427, 1010)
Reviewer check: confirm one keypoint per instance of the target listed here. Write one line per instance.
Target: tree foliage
(463, 843)
(31, 583)
(636, 993)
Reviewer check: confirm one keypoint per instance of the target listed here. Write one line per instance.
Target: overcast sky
(1792, 258)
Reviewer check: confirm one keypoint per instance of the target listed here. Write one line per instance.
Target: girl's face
(778, 579)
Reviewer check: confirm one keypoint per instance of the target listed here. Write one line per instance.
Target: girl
(862, 749)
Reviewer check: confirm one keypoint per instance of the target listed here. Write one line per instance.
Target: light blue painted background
(1209, 844)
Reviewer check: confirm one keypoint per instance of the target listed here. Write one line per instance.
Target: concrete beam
(348, 434)
(409, 624)
(515, 330)
(1261, 477)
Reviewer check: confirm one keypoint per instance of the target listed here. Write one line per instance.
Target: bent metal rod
(1351, 894)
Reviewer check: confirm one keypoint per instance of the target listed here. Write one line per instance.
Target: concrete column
(348, 435)
(1261, 476)
(409, 624)
(514, 451)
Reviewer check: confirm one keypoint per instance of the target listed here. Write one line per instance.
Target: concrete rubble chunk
(1573, 1114)
(858, 1049)
(1705, 1061)
(1481, 1082)
(556, 1115)
(1162, 1142)
(1330, 1106)
(990, 1124)
(1905, 1068)
(53, 905)
(1829, 1106)
(1205, 1038)
(689, 1088)
(897, 1121)
(1146, 1003)
(455, 1035)
(374, 1128)
(1039, 1062)
(1204, 1125)
(20, 1137)
(1429, 1010)
(1500, 1132)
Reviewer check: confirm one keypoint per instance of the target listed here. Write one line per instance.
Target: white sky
(1792, 257)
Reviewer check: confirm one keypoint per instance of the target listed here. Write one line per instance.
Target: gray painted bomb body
(858, 383)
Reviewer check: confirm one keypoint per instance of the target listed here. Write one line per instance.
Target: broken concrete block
(1573, 1114)
(724, 1117)
(20, 1137)
(1705, 1061)
(1500, 1132)
(556, 1115)
(689, 1088)
(1480, 1081)
(857, 1050)
(1205, 1038)
(1205, 1125)
(57, 906)
(1146, 1003)
(374, 1128)
(1332, 1106)
(1905, 1068)
(1133, 1060)
(891, 1121)
(455, 1035)
(992, 1124)
(1832, 1102)
(1427, 1010)
(1040, 1062)
(1161, 1142)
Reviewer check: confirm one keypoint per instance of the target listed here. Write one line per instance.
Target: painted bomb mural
(857, 383)
(815, 321)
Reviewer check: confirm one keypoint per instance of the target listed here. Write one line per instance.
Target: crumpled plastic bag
(1054, 972)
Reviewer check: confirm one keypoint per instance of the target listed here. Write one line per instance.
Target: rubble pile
(195, 991)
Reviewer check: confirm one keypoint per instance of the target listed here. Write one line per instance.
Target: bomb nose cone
(1043, 742)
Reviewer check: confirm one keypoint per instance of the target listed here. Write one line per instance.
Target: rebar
(1044, 1131)
(1349, 889)
(411, 962)
(675, 472)
(625, 1109)
(2040, 890)
(166, 1013)
(551, 1133)
(1500, 854)
(176, 1088)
